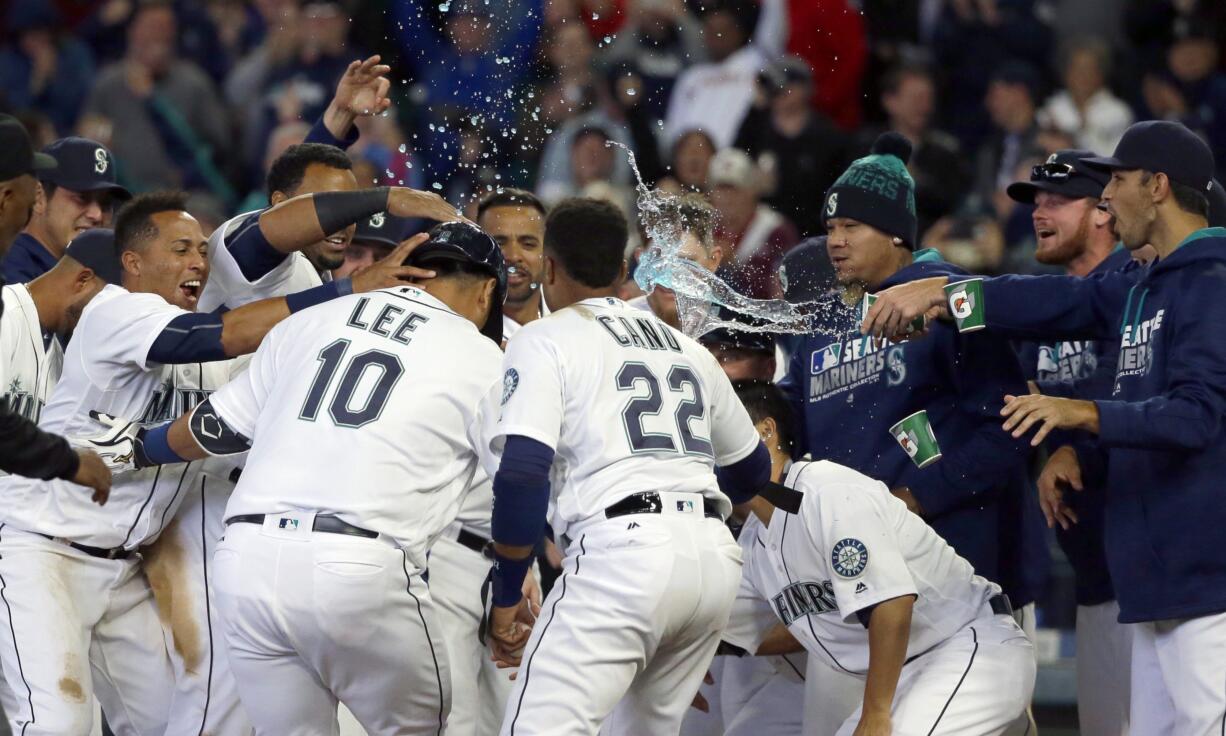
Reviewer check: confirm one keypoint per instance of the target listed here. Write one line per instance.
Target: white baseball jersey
(228, 287)
(106, 369)
(628, 403)
(854, 545)
(29, 365)
(360, 408)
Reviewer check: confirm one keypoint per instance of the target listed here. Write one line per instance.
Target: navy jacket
(1081, 369)
(1162, 428)
(848, 393)
(26, 260)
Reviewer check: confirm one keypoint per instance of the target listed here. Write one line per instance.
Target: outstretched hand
(362, 92)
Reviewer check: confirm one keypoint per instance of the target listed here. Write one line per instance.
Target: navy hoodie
(1081, 369)
(848, 393)
(26, 260)
(1162, 429)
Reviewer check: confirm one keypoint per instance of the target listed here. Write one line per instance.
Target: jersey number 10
(344, 410)
(679, 376)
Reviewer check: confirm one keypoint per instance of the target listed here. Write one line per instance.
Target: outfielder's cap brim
(1075, 187)
(1108, 163)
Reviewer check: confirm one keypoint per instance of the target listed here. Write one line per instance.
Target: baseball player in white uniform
(78, 616)
(626, 419)
(394, 377)
(869, 588)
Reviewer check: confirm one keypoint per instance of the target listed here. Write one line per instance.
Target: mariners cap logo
(849, 557)
(962, 304)
(832, 204)
(377, 220)
(101, 161)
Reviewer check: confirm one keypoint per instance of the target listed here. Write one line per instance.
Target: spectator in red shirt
(829, 35)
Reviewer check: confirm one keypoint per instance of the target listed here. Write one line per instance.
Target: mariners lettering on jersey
(804, 599)
(1066, 362)
(858, 361)
(1136, 347)
(639, 332)
(20, 401)
(169, 402)
(381, 322)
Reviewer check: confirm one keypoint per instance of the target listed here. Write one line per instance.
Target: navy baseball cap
(84, 166)
(758, 342)
(1064, 172)
(384, 229)
(95, 249)
(1217, 205)
(17, 156)
(806, 274)
(467, 243)
(1162, 146)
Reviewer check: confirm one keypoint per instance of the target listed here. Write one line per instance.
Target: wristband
(338, 210)
(507, 577)
(300, 300)
(153, 447)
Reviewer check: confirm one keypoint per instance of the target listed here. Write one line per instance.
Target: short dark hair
(893, 79)
(510, 198)
(285, 174)
(588, 237)
(764, 400)
(695, 214)
(134, 220)
(1189, 199)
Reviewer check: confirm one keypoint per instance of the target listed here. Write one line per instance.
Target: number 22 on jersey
(633, 376)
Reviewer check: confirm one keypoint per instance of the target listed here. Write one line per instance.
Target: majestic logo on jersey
(21, 402)
(377, 220)
(832, 204)
(1066, 362)
(169, 402)
(841, 366)
(861, 588)
(510, 382)
(804, 599)
(962, 304)
(101, 161)
(1136, 347)
(849, 556)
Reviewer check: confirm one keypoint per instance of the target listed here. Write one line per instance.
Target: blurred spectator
(562, 176)
(170, 130)
(801, 150)
(829, 35)
(594, 172)
(42, 67)
(217, 34)
(291, 75)
(1010, 102)
(715, 96)
(659, 40)
(374, 239)
(941, 173)
(973, 38)
(1086, 108)
(1153, 25)
(691, 161)
(474, 66)
(1191, 88)
(753, 236)
(284, 136)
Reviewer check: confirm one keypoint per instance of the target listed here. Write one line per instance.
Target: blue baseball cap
(1064, 172)
(95, 249)
(84, 166)
(385, 230)
(1162, 146)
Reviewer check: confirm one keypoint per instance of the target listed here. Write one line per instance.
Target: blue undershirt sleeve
(189, 338)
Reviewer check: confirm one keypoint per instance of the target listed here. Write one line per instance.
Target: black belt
(113, 553)
(329, 524)
(1000, 604)
(475, 542)
(650, 502)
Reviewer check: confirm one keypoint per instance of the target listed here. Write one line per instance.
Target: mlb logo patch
(288, 524)
(826, 358)
(685, 507)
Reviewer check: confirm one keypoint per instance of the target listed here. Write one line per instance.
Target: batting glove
(121, 445)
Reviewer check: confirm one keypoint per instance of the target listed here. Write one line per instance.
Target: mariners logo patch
(101, 162)
(962, 304)
(849, 557)
(510, 382)
(377, 220)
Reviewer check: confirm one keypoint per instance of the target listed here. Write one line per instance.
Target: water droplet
(437, 185)
(403, 148)
(444, 7)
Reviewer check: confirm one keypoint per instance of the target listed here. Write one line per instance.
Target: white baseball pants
(1104, 670)
(1179, 677)
(313, 618)
(628, 631)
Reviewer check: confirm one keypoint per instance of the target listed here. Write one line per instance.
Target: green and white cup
(917, 325)
(915, 436)
(965, 299)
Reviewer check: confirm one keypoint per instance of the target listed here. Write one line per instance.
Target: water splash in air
(700, 293)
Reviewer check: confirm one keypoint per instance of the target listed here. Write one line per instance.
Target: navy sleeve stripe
(189, 338)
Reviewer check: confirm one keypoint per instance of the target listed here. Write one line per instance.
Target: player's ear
(621, 274)
(40, 199)
(717, 255)
(768, 430)
(83, 280)
(131, 262)
(277, 198)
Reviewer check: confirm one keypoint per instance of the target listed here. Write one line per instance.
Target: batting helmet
(467, 243)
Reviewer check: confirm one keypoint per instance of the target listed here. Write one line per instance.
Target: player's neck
(46, 292)
(37, 230)
(525, 311)
(572, 292)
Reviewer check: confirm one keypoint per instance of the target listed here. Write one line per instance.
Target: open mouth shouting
(190, 290)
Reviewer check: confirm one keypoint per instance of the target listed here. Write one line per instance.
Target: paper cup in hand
(914, 435)
(966, 304)
(916, 325)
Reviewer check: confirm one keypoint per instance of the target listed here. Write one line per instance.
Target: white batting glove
(119, 445)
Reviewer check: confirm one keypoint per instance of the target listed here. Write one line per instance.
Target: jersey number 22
(679, 377)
